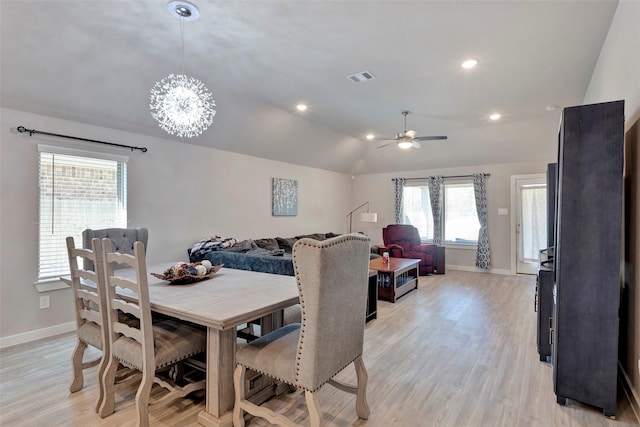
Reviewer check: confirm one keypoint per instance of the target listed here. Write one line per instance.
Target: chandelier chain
(182, 38)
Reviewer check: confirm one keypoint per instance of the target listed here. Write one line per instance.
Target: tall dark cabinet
(587, 255)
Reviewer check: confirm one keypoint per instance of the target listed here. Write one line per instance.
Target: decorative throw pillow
(286, 243)
(330, 235)
(269, 244)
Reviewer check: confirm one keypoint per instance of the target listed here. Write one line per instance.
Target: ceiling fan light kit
(182, 105)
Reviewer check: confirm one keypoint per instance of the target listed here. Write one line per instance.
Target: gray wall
(180, 191)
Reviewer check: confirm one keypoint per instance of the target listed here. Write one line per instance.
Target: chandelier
(182, 105)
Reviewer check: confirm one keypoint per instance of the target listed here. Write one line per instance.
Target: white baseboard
(630, 393)
(37, 334)
(478, 270)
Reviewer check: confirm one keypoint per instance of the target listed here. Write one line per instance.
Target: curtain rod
(22, 129)
(450, 176)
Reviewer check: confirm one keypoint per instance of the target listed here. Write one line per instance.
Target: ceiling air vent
(361, 77)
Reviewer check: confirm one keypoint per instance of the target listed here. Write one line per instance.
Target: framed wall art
(285, 197)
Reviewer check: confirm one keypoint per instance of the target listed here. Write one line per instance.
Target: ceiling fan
(407, 138)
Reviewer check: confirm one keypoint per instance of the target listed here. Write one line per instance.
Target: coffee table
(396, 277)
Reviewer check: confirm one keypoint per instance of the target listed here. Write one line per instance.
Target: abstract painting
(285, 197)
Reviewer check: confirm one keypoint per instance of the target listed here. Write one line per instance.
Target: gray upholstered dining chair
(122, 240)
(153, 348)
(332, 278)
(90, 310)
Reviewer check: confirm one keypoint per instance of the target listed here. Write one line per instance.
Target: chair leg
(312, 406)
(77, 380)
(238, 382)
(142, 398)
(101, 370)
(362, 407)
(108, 381)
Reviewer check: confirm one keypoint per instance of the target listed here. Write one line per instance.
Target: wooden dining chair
(153, 348)
(90, 311)
(332, 284)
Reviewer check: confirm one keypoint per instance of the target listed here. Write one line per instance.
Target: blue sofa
(268, 255)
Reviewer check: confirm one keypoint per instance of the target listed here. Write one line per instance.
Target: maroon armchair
(403, 241)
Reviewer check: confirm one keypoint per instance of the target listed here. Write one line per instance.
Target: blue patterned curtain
(435, 194)
(399, 188)
(483, 254)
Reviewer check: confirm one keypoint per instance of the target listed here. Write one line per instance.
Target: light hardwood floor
(459, 351)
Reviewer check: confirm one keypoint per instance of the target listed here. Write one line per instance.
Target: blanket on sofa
(212, 243)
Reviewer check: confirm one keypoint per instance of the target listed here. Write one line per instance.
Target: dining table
(221, 303)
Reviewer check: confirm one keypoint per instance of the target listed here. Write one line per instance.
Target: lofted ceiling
(95, 61)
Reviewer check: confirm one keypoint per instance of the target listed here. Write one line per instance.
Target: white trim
(81, 153)
(460, 246)
(37, 334)
(478, 270)
(51, 285)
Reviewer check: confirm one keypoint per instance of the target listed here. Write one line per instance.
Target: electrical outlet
(45, 302)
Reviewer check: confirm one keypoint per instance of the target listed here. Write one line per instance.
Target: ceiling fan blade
(416, 144)
(429, 138)
(387, 144)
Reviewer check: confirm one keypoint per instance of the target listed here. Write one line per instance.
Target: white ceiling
(95, 61)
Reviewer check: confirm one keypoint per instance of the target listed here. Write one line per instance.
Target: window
(461, 223)
(459, 216)
(416, 209)
(78, 190)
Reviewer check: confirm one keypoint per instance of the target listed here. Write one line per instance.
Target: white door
(531, 223)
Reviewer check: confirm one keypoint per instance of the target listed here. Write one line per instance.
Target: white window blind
(78, 190)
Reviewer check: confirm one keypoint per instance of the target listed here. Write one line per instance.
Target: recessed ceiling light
(301, 107)
(370, 136)
(469, 63)
(495, 116)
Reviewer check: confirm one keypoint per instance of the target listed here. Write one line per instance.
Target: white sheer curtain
(534, 222)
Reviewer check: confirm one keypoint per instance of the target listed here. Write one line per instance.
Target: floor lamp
(364, 216)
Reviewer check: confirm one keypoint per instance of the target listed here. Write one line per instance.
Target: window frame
(120, 188)
(447, 181)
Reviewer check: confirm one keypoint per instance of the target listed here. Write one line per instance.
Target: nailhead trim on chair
(253, 368)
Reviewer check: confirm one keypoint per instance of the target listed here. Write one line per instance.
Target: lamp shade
(369, 217)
